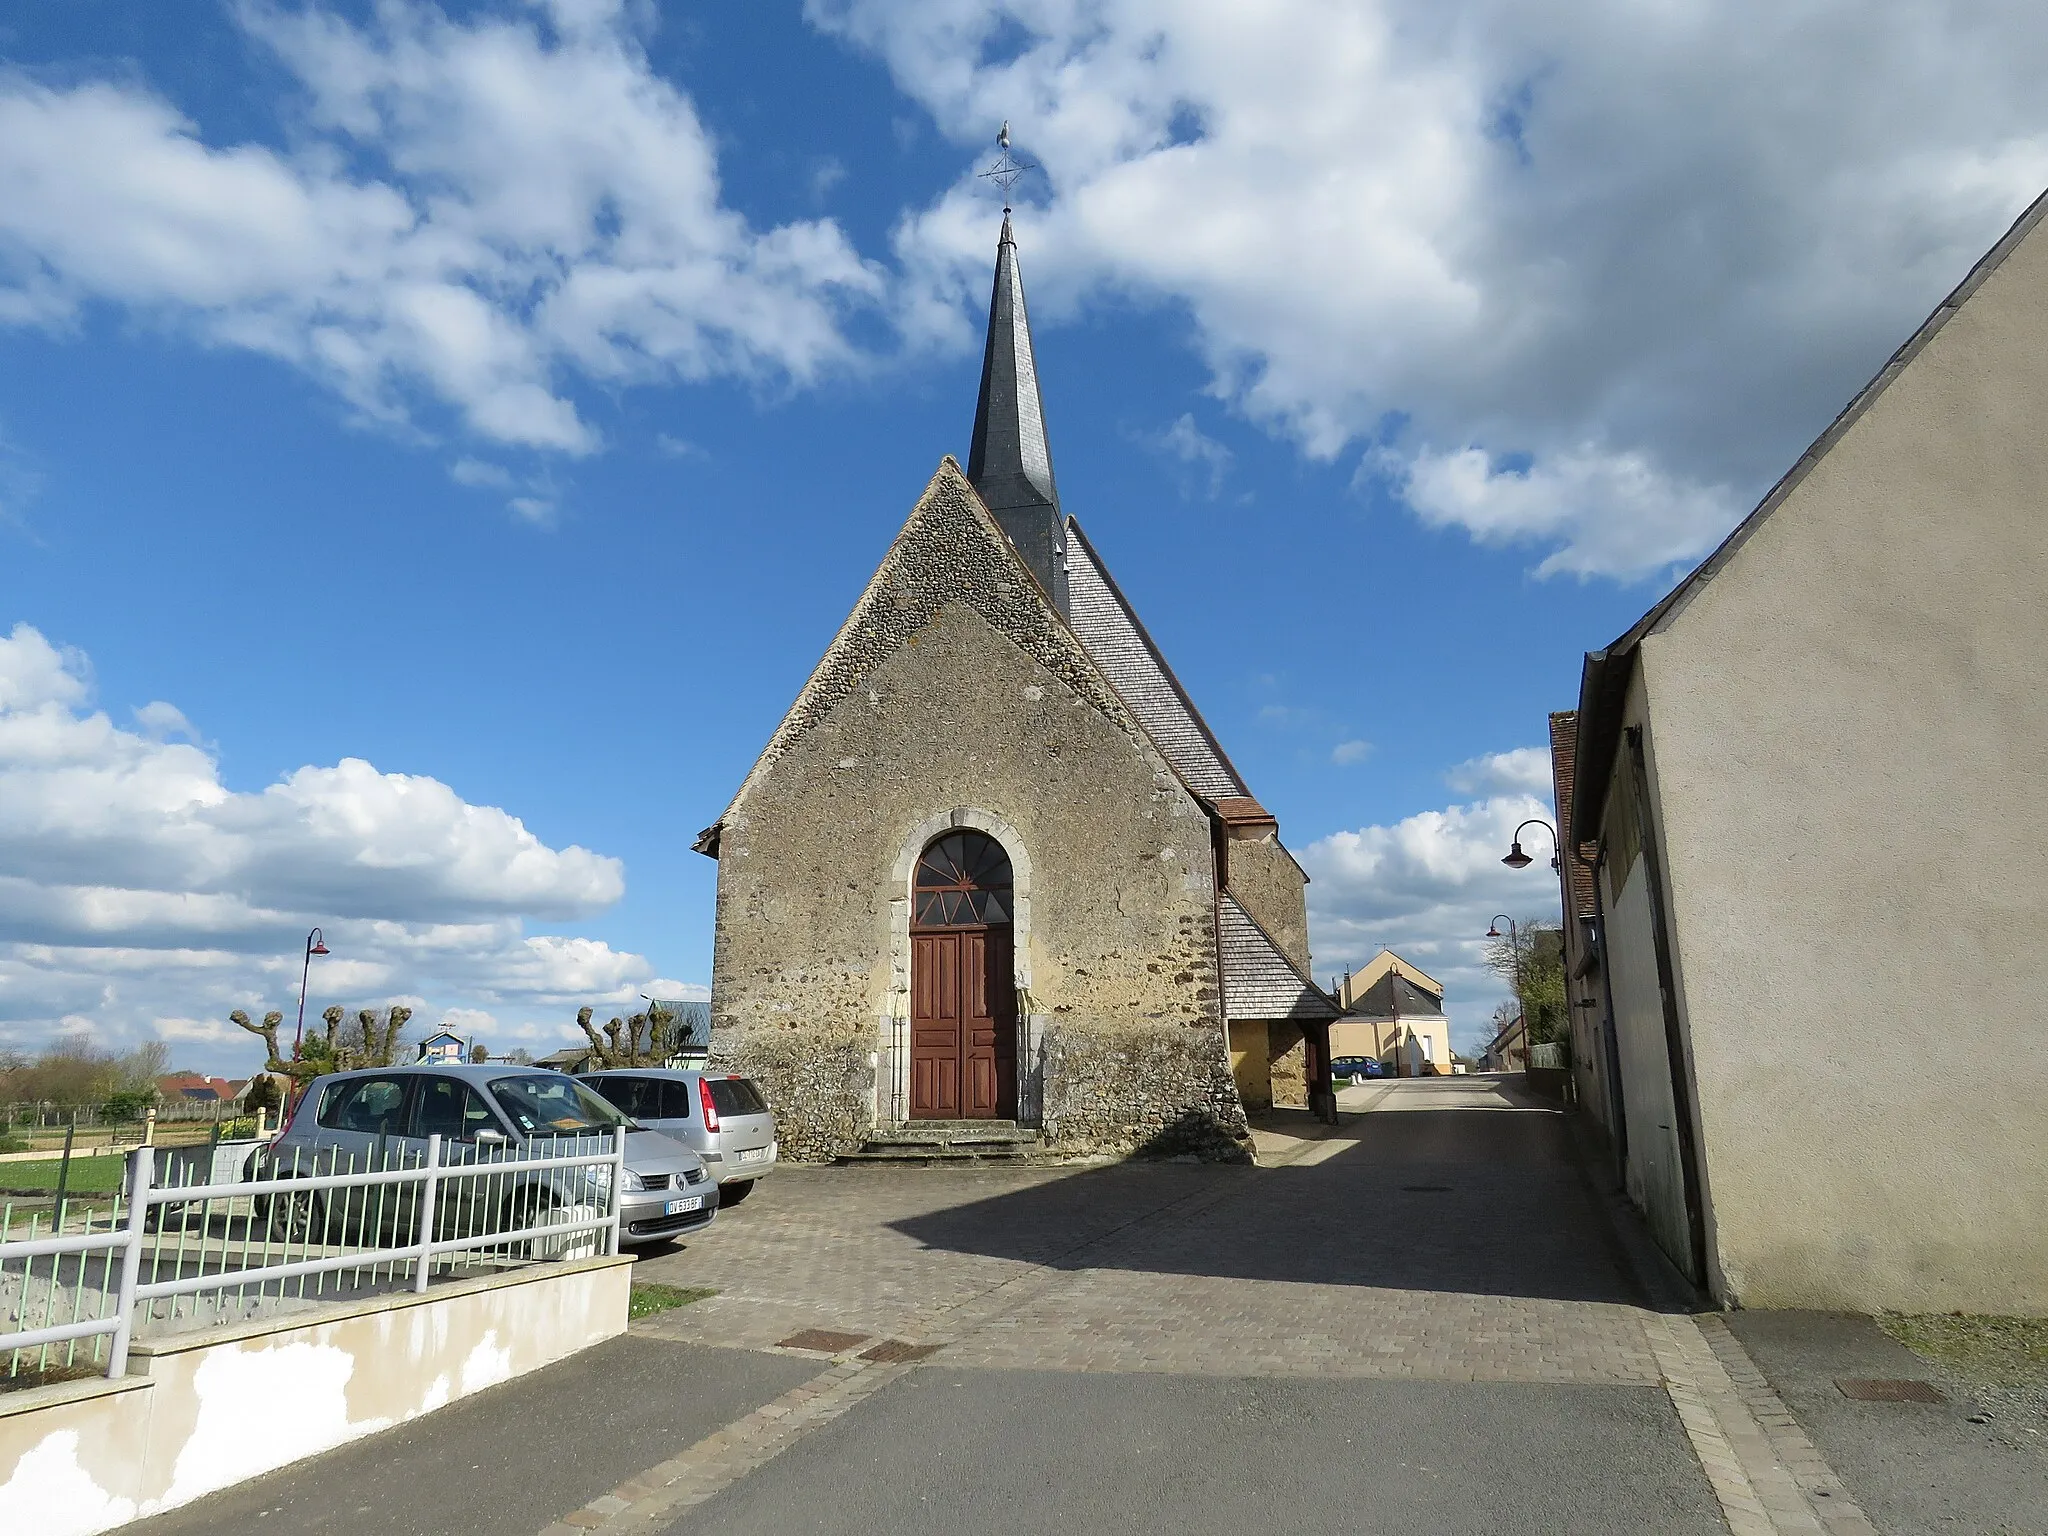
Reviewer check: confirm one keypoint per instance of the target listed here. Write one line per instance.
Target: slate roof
(1260, 982)
(1114, 637)
(1378, 1000)
(1009, 460)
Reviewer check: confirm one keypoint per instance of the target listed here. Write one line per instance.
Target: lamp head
(1515, 858)
(1492, 932)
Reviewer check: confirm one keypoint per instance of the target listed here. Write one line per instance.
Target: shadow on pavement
(1465, 1200)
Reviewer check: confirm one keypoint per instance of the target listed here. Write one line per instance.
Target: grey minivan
(479, 1112)
(723, 1118)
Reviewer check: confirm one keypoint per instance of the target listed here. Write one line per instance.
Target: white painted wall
(1656, 1176)
(226, 1405)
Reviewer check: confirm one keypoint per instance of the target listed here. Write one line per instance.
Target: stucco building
(1394, 1012)
(993, 865)
(1814, 784)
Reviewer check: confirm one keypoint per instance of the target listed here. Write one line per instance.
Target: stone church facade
(993, 866)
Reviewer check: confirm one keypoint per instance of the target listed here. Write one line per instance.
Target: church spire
(1009, 461)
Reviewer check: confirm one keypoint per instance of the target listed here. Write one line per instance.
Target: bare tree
(643, 1040)
(375, 1043)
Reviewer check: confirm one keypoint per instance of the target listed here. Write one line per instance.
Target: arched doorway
(963, 990)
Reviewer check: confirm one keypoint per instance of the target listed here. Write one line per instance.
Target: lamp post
(1515, 954)
(315, 945)
(1514, 858)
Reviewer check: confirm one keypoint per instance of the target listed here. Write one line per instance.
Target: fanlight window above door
(963, 880)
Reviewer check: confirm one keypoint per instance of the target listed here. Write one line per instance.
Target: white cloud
(1347, 753)
(1203, 461)
(1525, 771)
(1427, 886)
(1609, 513)
(470, 210)
(160, 721)
(140, 894)
(480, 474)
(1681, 235)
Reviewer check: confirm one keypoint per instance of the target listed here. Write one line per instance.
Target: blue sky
(515, 399)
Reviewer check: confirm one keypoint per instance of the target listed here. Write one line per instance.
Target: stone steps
(926, 1142)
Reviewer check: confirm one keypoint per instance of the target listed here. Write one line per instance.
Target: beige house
(1394, 1012)
(1814, 779)
(993, 866)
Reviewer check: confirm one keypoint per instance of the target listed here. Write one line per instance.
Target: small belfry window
(963, 880)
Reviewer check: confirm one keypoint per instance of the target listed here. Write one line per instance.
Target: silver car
(364, 1118)
(723, 1118)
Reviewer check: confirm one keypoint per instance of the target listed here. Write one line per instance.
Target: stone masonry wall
(988, 703)
(1271, 887)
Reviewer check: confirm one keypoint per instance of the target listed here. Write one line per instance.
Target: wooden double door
(963, 1024)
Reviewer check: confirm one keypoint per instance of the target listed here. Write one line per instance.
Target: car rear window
(644, 1098)
(736, 1096)
(368, 1105)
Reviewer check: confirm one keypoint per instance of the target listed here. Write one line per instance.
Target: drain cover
(1881, 1391)
(823, 1340)
(1425, 1189)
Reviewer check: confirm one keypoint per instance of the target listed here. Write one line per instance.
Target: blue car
(1355, 1069)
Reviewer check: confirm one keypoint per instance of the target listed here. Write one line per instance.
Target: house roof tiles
(1259, 981)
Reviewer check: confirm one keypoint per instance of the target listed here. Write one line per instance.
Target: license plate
(754, 1155)
(678, 1207)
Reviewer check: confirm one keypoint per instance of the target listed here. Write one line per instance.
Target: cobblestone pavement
(1450, 1238)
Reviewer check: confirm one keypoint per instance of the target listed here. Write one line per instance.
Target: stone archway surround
(892, 1058)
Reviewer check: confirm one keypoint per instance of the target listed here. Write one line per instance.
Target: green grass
(89, 1175)
(649, 1299)
(1990, 1351)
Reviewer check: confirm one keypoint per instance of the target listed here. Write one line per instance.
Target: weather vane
(1008, 168)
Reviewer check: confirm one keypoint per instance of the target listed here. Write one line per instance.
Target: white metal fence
(188, 1252)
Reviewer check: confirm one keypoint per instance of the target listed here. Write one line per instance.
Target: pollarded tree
(644, 1040)
(375, 1043)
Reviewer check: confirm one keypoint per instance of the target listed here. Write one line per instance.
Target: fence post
(149, 1127)
(427, 1189)
(618, 1187)
(141, 1169)
(63, 1180)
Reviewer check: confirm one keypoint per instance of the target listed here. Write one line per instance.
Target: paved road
(1430, 1321)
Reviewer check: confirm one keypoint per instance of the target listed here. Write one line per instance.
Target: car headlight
(634, 1183)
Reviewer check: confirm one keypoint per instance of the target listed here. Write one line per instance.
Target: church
(993, 867)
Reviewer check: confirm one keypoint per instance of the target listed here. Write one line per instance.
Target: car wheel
(735, 1192)
(298, 1217)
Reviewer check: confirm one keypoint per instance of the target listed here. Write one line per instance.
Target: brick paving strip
(1769, 1477)
(654, 1498)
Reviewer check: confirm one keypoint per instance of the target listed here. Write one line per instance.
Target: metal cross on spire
(1008, 168)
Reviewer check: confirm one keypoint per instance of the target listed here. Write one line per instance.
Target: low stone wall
(822, 1090)
(202, 1412)
(1152, 1093)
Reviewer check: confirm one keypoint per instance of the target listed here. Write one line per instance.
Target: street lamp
(315, 945)
(1516, 859)
(1514, 953)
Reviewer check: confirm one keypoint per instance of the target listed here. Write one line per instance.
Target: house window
(963, 880)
